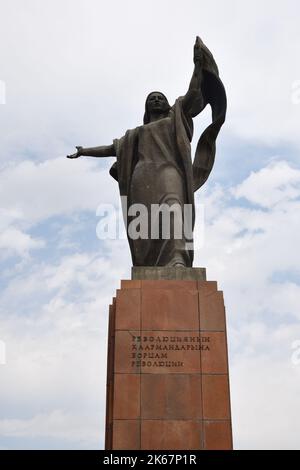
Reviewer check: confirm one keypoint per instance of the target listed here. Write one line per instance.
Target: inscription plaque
(165, 351)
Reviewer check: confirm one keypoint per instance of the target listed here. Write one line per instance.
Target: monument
(167, 367)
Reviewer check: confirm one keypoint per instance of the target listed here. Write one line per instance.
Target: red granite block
(212, 310)
(215, 395)
(128, 309)
(126, 435)
(134, 284)
(217, 435)
(171, 397)
(170, 309)
(127, 396)
(207, 286)
(214, 353)
(171, 435)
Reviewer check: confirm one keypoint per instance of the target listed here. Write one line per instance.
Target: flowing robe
(154, 166)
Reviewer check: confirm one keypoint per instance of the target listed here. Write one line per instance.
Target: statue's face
(157, 103)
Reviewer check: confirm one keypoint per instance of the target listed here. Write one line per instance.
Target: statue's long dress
(154, 170)
(158, 178)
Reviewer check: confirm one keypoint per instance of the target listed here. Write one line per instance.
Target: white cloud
(277, 183)
(37, 191)
(13, 241)
(79, 428)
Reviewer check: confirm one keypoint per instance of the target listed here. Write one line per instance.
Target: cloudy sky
(76, 72)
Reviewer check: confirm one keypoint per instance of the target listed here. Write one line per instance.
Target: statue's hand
(198, 53)
(77, 154)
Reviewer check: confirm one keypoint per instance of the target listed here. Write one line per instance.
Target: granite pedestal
(167, 376)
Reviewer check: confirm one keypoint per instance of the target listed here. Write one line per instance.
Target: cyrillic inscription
(154, 351)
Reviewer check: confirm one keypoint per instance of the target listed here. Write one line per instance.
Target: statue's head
(156, 104)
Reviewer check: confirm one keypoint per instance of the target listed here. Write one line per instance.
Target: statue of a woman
(154, 165)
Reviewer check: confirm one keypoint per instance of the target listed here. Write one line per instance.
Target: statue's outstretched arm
(102, 151)
(194, 92)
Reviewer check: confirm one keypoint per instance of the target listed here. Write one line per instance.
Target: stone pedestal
(167, 378)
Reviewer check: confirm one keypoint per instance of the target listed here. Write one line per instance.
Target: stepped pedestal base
(167, 378)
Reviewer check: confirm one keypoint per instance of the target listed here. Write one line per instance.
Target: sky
(76, 72)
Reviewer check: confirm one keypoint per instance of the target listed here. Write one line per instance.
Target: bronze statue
(154, 165)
